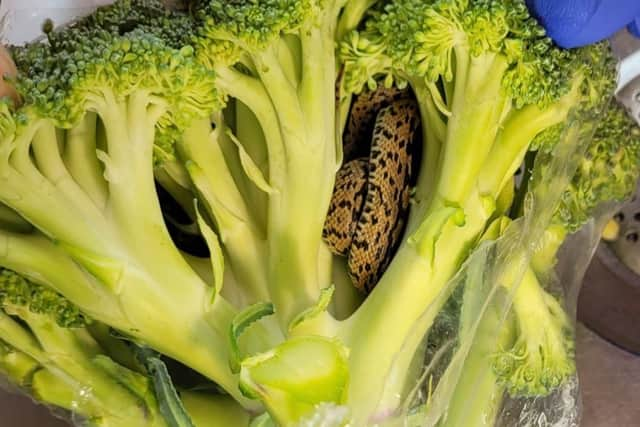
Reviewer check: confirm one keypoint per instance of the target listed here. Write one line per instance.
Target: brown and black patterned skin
(371, 198)
(358, 134)
(346, 206)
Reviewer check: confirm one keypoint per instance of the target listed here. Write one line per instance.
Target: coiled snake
(370, 202)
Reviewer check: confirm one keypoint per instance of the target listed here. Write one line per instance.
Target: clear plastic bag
(458, 386)
(23, 19)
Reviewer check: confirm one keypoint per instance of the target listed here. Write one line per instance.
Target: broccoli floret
(151, 16)
(16, 291)
(542, 357)
(45, 348)
(607, 171)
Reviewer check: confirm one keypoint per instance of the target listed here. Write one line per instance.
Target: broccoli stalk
(214, 410)
(53, 351)
(277, 60)
(542, 357)
(242, 240)
(478, 394)
(488, 82)
(16, 366)
(539, 358)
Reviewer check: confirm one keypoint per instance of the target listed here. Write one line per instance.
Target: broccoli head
(17, 291)
(542, 357)
(607, 171)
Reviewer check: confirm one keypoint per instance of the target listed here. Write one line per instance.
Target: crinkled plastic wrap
(453, 380)
(457, 383)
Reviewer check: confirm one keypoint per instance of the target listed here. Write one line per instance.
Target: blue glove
(573, 23)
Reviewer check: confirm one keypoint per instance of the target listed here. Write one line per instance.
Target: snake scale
(371, 198)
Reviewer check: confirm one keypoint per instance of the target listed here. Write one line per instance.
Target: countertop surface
(610, 380)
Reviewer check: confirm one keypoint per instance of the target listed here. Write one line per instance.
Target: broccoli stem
(544, 256)
(23, 188)
(117, 349)
(243, 242)
(293, 101)
(318, 80)
(17, 366)
(434, 134)
(130, 178)
(81, 161)
(252, 93)
(542, 357)
(307, 128)
(411, 276)
(513, 140)
(59, 272)
(51, 389)
(352, 14)
(50, 164)
(69, 354)
(283, 95)
(133, 310)
(289, 53)
(479, 103)
(12, 333)
(478, 394)
(214, 410)
(295, 230)
(249, 131)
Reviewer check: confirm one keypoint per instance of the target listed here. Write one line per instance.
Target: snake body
(371, 197)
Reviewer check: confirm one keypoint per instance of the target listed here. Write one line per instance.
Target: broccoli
(234, 104)
(607, 171)
(56, 353)
(47, 349)
(477, 397)
(106, 103)
(538, 356)
(82, 145)
(488, 81)
(542, 357)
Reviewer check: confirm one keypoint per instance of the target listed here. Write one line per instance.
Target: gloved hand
(574, 23)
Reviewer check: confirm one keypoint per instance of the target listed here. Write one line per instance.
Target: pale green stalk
(235, 225)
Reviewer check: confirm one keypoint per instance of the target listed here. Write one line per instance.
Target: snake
(371, 197)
